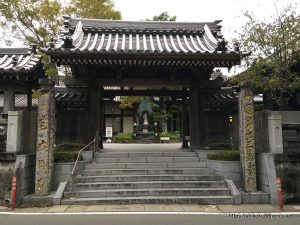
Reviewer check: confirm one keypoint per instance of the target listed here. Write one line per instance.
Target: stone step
(132, 178)
(146, 165)
(147, 184)
(204, 200)
(144, 154)
(148, 192)
(95, 172)
(146, 159)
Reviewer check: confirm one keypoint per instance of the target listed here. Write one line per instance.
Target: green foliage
(126, 137)
(225, 156)
(161, 116)
(65, 156)
(96, 9)
(219, 146)
(130, 102)
(67, 152)
(274, 48)
(172, 136)
(164, 16)
(36, 21)
(70, 147)
(31, 20)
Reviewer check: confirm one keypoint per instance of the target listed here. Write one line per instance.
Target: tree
(164, 16)
(36, 21)
(274, 48)
(94, 9)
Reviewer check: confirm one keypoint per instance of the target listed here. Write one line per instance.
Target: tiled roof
(70, 98)
(18, 60)
(143, 38)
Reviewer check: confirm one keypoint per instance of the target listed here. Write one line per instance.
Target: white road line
(143, 213)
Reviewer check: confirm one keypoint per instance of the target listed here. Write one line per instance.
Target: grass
(172, 136)
(126, 137)
(219, 146)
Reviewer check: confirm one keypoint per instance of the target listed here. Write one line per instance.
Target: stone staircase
(148, 177)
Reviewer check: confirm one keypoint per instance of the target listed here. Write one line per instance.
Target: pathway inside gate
(172, 147)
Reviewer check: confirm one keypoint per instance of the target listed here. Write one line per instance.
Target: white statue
(145, 119)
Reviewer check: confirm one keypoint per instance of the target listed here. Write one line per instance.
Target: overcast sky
(230, 11)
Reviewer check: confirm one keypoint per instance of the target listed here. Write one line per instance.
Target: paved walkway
(253, 208)
(115, 147)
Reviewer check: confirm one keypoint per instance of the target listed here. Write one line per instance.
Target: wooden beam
(158, 83)
(171, 93)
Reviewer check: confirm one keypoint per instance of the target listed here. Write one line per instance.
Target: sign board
(109, 132)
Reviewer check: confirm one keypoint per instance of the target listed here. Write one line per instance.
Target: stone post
(275, 133)
(14, 131)
(45, 138)
(9, 100)
(247, 144)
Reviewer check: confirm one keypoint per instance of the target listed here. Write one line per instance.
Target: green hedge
(127, 137)
(65, 157)
(69, 147)
(219, 146)
(233, 155)
(172, 136)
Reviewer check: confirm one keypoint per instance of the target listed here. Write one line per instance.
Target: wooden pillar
(45, 138)
(184, 125)
(201, 120)
(94, 107)
(29, 99)
(247, 144)
(9, 100)
(194, 118)
(101, 131)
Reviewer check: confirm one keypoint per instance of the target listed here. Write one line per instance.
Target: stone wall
(231, 170)
(62, 172)
(25, 173)
(268, 132)
(291, 137)
(6, 173)
(266, 175)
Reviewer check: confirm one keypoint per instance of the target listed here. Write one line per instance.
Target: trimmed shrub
(172, 136)
(233, 155)
(65, 157)
(127, 137)
(69, 147)
(219, 146)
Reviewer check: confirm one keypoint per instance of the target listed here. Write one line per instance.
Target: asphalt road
(141, 220)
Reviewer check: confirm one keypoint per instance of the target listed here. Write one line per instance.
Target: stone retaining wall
(25, 172)
(266, 175)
